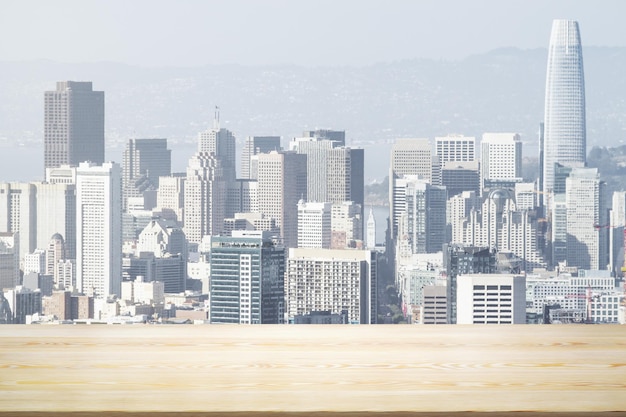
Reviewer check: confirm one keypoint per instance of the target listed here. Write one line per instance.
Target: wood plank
(149, 368)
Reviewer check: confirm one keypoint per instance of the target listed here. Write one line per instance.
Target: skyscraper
(282, 183)
(205, 199)
(145, 160)
(408, 157)
(455, 148)
(255, 145)
(247, 279)
(564, 119)
(73, 124)
(501, 158)
(587, 220)
(98, 229)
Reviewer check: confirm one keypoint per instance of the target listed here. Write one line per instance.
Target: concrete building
(255, 145)
(73, 124)
(587, 220)
(338, 136)
(502, 227)
(458, 210)
(171, 197)
(335, 173)
(422, 217)
(408, 157)
(141, 292)
(251, 221)
(314, 225)
(205, 197)
(247, 279)
(18, 214)
(35, 262)
(435, 307)
(98, 229)
(56, 214)
(332, 280)
(491, 299)
(23, 302)
(221, 143)
(144, 162)
(346, 225)
(617, 217)
(501, 158)
(455, 148)
(63, 174)
(281, 184)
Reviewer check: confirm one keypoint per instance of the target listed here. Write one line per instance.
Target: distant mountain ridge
(502, 90)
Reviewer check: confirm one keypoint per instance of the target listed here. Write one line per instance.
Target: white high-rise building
(564, 120)
(205, 197)
(98, 229)
(587, 220)
(171, 197)
(35, 262)
(501, 157)
(491, 299)
(455, 148)
(281, 184)
(314, 225)
(525, 196)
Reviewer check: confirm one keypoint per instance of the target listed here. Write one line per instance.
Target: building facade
(98, 229)
(73, 124)
(491, 299)
(564, 132)
(247, 279)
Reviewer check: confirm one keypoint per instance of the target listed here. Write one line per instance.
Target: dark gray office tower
(460, 176)
(335, 135)
(145, 160)
(73, 124)
(247, 279)
(255, 145)
(461, 260)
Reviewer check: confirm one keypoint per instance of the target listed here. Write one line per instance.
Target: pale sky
(318, 33)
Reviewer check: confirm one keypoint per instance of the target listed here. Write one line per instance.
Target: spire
(216, 118)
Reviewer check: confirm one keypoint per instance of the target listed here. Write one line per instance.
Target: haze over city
(312, 206)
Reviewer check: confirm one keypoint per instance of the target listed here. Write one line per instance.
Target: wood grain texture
(312, 368)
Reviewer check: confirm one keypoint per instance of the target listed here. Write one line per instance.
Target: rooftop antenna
(216, 118)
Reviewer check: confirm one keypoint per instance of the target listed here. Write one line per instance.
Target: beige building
(332, 280)
(281, 184)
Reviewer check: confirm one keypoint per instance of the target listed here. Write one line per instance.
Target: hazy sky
(321, 32)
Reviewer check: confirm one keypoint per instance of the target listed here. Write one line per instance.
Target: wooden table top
(209, 368)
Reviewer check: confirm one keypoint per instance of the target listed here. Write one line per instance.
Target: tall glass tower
(564, 119)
